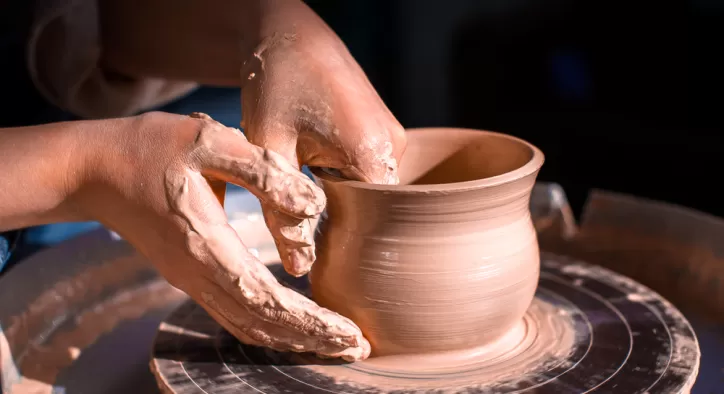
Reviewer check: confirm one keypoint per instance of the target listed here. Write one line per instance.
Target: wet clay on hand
(176, 221)
(306, 98)
(303, 94)
(447, 260)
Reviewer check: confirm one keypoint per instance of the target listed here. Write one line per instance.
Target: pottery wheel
(627, 339)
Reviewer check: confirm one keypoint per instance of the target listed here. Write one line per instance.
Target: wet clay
(447, 260)
(209, 261)
(542, 338)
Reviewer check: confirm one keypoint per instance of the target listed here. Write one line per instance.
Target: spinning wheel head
(612, 334)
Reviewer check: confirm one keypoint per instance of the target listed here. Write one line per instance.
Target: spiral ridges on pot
(426, 271)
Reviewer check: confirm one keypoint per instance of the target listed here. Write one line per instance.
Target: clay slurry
(611, 349)
(433, 268)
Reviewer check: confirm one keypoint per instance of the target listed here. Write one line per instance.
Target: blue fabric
(4, 251)
(8, 242)
(54, 233)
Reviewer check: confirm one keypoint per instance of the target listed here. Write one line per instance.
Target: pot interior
(440, 156)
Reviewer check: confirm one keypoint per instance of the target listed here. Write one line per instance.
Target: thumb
(364, 151)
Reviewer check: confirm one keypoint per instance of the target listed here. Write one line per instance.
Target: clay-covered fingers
(242, 294)
(287, 321)
(224, 153)
(293, 235)
(252, 286)
(289, 198)
(373, 156)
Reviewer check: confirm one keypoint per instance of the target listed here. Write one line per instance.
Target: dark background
(620, 95)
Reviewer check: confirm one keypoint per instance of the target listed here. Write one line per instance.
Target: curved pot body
(446, 260)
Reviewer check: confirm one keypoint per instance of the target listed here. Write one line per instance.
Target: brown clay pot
(446, 260)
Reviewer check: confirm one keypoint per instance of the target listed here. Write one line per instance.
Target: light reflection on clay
(542, 339)
(448, 259)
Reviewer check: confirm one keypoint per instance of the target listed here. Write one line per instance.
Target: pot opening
(454, 155)
(445, 159)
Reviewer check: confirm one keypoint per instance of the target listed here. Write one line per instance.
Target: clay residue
(685, 353)
(446, 260)
(225, 278)
(542, 341)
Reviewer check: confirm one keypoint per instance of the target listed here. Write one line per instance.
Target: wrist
(274, 17)
(105, 164)
(42, 166)
(269, 23)
(79, 149)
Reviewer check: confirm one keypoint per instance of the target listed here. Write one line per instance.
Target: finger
(228, 325)
(257, 295)
(294, 239)
(252, 330)
(265, 298)
(370, 161)
(360, 138)
(224, 153)
(236, 320)
(376, 158)
(287, 320)
(294, 236)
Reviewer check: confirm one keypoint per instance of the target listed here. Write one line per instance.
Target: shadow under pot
(446, 260)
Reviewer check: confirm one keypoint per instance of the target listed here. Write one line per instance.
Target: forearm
(40, 167)
(195, 40)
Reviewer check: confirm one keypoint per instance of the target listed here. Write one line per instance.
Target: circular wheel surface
(627, 339)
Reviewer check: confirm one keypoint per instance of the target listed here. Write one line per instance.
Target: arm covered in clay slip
(146, 178)
(303, 95)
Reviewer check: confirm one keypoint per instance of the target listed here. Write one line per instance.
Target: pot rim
(531, 167)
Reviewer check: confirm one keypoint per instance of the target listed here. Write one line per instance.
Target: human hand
(305, 97)
(151, 187)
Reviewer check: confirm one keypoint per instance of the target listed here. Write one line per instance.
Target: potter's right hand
(150, 185)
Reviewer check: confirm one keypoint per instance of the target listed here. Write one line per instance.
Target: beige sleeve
(64, 53)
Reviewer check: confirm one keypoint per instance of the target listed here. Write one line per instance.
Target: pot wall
(427, 271)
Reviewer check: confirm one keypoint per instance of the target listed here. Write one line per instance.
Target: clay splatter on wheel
(624, 338)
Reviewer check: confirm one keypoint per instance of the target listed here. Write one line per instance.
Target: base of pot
(587, 328)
